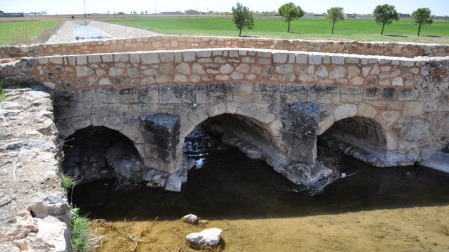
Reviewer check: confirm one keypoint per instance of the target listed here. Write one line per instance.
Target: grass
(67, 182)
(349, 29)
(80, 230)
(2, 90)
(23, 32)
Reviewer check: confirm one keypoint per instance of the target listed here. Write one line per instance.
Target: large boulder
(208, 237)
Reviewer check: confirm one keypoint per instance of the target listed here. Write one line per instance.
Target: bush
(67, 182)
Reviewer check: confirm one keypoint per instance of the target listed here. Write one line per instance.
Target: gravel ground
(65, 34)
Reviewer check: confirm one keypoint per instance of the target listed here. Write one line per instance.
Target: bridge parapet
(154, 43)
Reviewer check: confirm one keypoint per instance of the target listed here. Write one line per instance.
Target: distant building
(172, 13)
(352, 15)
(13, 14)
(191, 12)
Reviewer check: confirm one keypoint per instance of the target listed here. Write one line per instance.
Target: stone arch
(254, 115)
(96, 150)
(367, 111)
(126, 125)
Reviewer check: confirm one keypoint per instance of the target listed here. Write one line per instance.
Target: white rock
(210, 237)
(190, 218)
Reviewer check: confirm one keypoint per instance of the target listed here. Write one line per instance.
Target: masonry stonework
(294, 96)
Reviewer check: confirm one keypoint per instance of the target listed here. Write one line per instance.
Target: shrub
(80, 230)
(67, 182)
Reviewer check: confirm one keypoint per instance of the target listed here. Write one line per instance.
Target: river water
(374, 209)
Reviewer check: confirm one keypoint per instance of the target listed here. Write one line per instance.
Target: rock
(190, 218)
(52, 232)
(209, 237)
(173, 183)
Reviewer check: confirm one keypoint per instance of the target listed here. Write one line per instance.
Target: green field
(349, 29)
(21, 32)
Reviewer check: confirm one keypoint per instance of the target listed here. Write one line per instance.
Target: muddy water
(376, 209)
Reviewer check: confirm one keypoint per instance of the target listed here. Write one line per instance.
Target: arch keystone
(365, 110)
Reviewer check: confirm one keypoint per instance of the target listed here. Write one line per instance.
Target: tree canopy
(242, 17)
(385, 14)
(334, 14)
(422, 16)
(289, 12)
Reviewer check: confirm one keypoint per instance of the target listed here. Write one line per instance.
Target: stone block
(94, 58)
(121, 57)
(113, 122)
(183, 68)
(338, 72)
(189, 56)
(129, 95)
(180, 93)
(160, 124)
(80, 122)
(387, 93)
(345, 111)
(150, 58)
(280, 58)
(315, 59)
(325, 124)
(387, 118)
(338, 59)
(365, 110)
(225, 69)
(412, 109)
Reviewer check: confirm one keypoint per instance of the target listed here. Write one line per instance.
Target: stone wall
(154, 43)
(393, 92)
(33, 205)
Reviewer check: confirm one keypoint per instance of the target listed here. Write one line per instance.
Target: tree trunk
(240, 33)
(333, 24)
(383, 25)
(288, 29)
(419, 29)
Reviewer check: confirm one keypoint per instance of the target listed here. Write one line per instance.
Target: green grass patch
(66, 182)
(2, 90)
(349, 29)
(23, 32)
(80, 230)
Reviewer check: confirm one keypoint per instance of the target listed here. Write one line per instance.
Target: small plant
(80, 230)
(2, 91)
(67, 182)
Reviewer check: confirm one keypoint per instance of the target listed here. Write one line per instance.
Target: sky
(438, 7)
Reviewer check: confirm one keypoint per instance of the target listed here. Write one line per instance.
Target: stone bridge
(384, 103)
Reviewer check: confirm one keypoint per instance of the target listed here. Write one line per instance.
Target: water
(259, 210)
(86, 32)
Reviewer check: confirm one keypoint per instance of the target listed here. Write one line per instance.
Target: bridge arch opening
(97, 152)
(249, 135)
(360, 137)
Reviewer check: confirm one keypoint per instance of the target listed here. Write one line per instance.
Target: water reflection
(231, 186)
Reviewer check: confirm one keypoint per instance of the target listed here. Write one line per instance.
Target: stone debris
(208, 237)
(191, 219)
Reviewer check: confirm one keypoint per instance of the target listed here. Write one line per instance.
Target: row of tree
(383, 14)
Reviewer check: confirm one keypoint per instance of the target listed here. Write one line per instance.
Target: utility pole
(85, 14)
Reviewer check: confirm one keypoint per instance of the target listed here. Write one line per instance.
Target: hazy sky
(438, 7)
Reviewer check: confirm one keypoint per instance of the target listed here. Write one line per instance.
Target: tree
(289, 12)
(422, 16)
(334, 14)
(385, 14)
(1, 13)
(242, 17)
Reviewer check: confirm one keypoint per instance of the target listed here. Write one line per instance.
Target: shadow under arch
(360, 137)
(254, 138)
(91, 152)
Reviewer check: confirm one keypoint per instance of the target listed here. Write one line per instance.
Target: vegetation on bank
(2, 90)
(80, 228)
(23, 32)
(305, 28)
